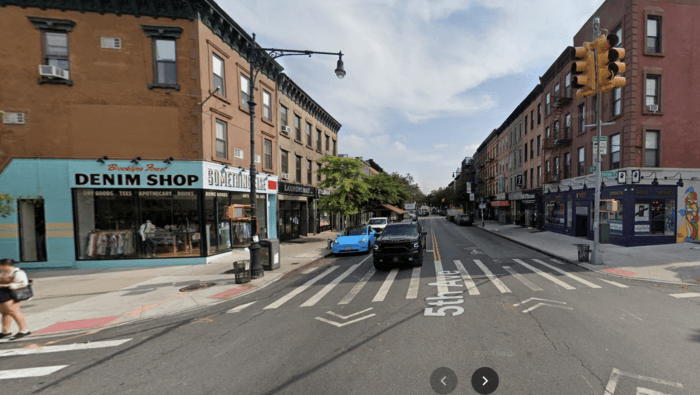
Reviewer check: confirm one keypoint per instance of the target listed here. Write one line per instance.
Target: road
(544, 327)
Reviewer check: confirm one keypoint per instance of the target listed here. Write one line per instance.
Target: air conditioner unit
(238, 153)
(13, 118)
(653, 107)
(257, 158)
(53, 72)
(285, 176)
(285, 130)
(111, 42)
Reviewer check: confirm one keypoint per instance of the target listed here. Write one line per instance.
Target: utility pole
(597, 258)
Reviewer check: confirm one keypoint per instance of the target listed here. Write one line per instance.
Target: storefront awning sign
(500, 203)
(296, 189)
(88, 174)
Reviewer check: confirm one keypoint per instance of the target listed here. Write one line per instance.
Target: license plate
(348, 248)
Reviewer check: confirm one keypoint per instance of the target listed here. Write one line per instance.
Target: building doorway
(32, 230)
(581, 226)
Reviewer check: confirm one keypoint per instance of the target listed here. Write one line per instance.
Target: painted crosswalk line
(545, 275)
(567, 274)
(522, 278)
(471, 287)
(241, 307)
(358, 287)
(62, 348)
(686, 295)
(615, 283)
(29, 372)
(415, 282)
(501, 287)
(300, 289)
(442, 287)
(384, 289)
(323, 292)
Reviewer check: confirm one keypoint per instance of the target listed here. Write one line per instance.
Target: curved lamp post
(258, 59)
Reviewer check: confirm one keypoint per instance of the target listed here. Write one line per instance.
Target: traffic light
(608, 66)
(583, 70)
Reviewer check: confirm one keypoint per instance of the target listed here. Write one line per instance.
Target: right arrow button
(485, 380)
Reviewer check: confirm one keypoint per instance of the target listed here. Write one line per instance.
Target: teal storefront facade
(79, 214)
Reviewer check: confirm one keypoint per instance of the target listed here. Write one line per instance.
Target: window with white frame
(546, 104)
(567, 85)
(283, 115)
(284, 162)
(652, 90)
(567, 126)
(221, 139)
(245, 89)
(651, 148)
(268, 154)
(616, 107)
(218, 74)
(581, 161)
(654, 34)
(267, 105)
(615, 151)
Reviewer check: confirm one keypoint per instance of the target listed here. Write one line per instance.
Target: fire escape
(559, 139)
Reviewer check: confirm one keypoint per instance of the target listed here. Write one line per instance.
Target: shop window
(655, 217)
(32, 230)
(611, 210)
(241, 231)
(554, 213)
(129, 224)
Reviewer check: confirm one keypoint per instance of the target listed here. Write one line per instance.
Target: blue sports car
(355, 239)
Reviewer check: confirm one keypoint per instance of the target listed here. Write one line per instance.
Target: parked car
(378, 223)
(356, 238)
(403, 241)
(464, 219)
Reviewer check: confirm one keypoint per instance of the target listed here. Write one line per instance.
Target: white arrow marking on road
(545, 275)
(345, 317)
(545, 304)
(61, 348)
(686, 295)
(544, 300)
(30, 372)
(485, 380)
(615, 376)
(241, 307)
(339, 325)
(443, 380)
(567, 274)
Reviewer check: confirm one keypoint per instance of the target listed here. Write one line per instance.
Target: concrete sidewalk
(673, 263)
(74, 301)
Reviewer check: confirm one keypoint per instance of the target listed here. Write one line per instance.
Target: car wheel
(419, 262)
(378, 265)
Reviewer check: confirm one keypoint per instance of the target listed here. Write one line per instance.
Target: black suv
(403, 241)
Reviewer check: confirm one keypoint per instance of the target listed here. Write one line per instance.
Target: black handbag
(21, 294)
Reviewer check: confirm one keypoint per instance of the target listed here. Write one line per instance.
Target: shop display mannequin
(147, 231)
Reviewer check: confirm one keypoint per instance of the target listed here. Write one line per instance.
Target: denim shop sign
(129, 175)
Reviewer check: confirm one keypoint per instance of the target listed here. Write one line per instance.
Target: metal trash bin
(242, 271)
(270, 254)
(584, 251)
(604, 232)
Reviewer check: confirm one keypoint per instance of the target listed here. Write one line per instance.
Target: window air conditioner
(285, 130)
(285, 176)
(53, 72)
(111, 42)
(257, 158)
(653, 107)
(13, 118)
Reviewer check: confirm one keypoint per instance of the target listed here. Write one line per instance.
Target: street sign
(591, 169)
(471, 197)
(482, 205)
(612, 173)
(622, 177)
(519, 180)
(636, 176)
(603, 145)
(469, 187)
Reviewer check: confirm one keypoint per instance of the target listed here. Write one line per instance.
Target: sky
(427, 80)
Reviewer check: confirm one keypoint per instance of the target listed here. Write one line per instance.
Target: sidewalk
(71, 301)
(674, 263)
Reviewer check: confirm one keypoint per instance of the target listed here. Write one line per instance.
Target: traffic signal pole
(597, 259)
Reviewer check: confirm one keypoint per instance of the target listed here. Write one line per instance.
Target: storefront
(525, 207)
(502, 208)
(323, 219)
(296, 213)
(141, 213)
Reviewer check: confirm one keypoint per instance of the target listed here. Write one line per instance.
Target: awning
(392, 208)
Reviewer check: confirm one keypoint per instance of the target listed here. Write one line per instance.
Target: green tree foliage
(346, 177)
(411, 187)
(386, 188)
(6, 207)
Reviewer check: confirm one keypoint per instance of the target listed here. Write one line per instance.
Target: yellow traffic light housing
(609, 68)
(583, 70)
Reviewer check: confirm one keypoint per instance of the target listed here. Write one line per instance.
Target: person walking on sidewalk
(11, 278)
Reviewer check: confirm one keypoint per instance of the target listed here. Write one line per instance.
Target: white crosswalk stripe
(522, 279)
(237, 309)
(567, 274)
(358, 287)
(314, 299)
(615, 283)
(471, 287)
(384, 289)
(29, 372)
(545, 275)
(501, 287)
(415, 282)
(442, 288)
(300, 289)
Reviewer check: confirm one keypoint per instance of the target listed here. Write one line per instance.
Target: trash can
(270, 254)
(584, 251)
(605, 233)
(242, 271)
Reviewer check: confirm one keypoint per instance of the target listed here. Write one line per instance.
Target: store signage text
(233, 180)
(296, 189)
(160, 180)
(149, 167)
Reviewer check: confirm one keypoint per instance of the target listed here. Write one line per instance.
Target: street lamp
(258, 59)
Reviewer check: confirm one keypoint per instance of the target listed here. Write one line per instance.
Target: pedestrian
(11, 278)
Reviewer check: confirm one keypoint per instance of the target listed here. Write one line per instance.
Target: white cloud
(399, 146)
(470, 149)
(441, 146)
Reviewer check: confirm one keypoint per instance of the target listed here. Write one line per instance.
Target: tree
(386, 188)
(415, 194)
(351, 191)
(5, 205)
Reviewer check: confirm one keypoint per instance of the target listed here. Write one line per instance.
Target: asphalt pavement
(341, 327)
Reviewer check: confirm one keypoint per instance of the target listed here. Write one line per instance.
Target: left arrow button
(443, 380)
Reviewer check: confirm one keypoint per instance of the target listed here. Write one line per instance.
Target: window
(520, 156)
(525, 124)
(525, 152)
(520, 131)
(567, 165)
(221, 139)
(567, 85)
(556, 130)
(217, 65)
(268, 154)
(297, 127)
(309, 172)
(283, 115)
(546, 104)
(267, 103)
(532, 119)
(165, 62)
(615, 152)
(618, 33)
(652, 90)
(318, 174)
(556, 91)
(538, 145)
(651, 148)
(556, 166)
(539, 113)
(581, 117)
(532, 148)
(318, 140)
(298, 178)
(654, 34)
(539, 174)
(581, 161)
(567, 126)
(532, 171)
(284, 162)
(616, 107)
(554, 213)
(309, 140)
(524, 180)
(56, 50)
(328, 145)
(335, 152)
(245, 89)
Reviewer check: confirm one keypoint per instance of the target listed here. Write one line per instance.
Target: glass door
(32, 230)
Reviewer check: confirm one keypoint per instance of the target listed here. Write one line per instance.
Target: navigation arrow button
(490, 381)
(485, 380)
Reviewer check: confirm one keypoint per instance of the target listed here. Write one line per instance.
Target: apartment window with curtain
(56, 50)
(539, 113)
(221, 139)
(268, 154)
(567, 85)
(218, 74)
(546, 104)
(652, 90)
(581, 117)
(651, 148)
(267, 103)
(581, 161)
(309, 175)
(298, 169)
(654, 34)
(616, 105)
(245, 88)
(318, 140)
(615, 151)
(567, 165)
(283, 115)
(284, 162)
(567, 126)
(297, 127)
(309, 140)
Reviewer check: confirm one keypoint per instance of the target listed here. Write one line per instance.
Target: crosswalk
(41, 371)
(473, 275)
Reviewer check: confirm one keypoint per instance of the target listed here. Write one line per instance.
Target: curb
(578, 264)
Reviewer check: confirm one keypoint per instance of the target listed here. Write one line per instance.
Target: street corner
(75, 325)
(620, 272)
(233, 292)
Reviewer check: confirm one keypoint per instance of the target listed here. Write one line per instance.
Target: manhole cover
(195, 287)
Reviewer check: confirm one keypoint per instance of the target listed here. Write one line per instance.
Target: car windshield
(377, 221)
(403, 230)
(354, 231)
